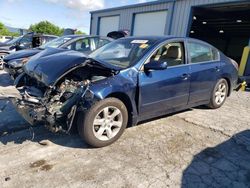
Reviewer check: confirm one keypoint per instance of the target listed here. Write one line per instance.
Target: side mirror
(156, 65)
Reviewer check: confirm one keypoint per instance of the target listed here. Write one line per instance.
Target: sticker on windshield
(143, 46)
(139, 41)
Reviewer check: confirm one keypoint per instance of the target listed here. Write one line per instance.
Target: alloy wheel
(220, 94)
(107, 123)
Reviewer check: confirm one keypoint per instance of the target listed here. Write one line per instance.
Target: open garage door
(152, 23)
(108, 24)
(225, 26)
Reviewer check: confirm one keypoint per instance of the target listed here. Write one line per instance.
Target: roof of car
(165, 37)
(49, 35)
(153, 38)
(77, 36)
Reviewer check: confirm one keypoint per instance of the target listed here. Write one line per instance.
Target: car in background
(3, 53)
(27, 41)
(14, 62)
(124, 82)
(118, 34)
(4, 39)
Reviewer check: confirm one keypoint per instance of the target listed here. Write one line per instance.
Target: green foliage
(78, 32)
(5, 32)
(45, 27)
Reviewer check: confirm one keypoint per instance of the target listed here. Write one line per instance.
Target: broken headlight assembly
(16, 63)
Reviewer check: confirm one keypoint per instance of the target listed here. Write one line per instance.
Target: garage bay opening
(226, 26)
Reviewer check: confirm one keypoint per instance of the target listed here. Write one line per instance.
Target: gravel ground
(195, 148)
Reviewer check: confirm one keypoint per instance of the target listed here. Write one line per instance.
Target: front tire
(219, 94)
(103, 123)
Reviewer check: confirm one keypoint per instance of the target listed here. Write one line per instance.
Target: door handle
(185, 76)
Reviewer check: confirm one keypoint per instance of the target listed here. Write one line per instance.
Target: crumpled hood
(48, 65)
(22, 54)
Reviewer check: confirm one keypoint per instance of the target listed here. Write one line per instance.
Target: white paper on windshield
(139, 41)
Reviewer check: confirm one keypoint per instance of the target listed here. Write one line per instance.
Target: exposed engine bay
(57, 105)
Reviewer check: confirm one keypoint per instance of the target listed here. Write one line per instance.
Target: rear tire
(103, 123)
(219, 94)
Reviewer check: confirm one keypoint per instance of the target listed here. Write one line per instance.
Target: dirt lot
(195, 148)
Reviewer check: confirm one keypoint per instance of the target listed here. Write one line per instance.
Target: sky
(64, 13)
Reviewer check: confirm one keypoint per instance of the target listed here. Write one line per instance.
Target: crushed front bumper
(32, 113)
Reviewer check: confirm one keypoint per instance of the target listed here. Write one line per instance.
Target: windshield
(56, 42)
(13, 41)
(122, 53)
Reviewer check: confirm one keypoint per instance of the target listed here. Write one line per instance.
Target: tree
(4, 31)
(45, 27)
(78, 32)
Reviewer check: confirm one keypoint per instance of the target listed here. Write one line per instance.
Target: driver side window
(172, 53)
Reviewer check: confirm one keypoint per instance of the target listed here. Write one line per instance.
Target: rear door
(162, 90)
(204, 63)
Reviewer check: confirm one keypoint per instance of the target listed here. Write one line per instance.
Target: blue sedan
(124, 82)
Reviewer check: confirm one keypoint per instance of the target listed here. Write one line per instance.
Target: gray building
(223, 23)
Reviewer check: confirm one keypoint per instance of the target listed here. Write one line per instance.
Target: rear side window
(47, 39)
(99, 42)
(201, 53)
(81, 45)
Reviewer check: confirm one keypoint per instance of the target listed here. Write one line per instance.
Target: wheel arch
(127, 102)
(229, 84)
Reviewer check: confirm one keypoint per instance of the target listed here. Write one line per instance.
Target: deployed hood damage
(53, 96)
(53, 63)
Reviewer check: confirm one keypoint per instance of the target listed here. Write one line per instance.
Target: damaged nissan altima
(122, 83)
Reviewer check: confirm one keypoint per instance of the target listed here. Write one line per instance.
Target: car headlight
(16, 63)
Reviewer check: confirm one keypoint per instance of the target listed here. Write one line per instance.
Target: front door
(162, 90)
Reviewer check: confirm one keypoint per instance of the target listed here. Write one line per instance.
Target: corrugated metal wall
(126, 15)
(179, 14)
